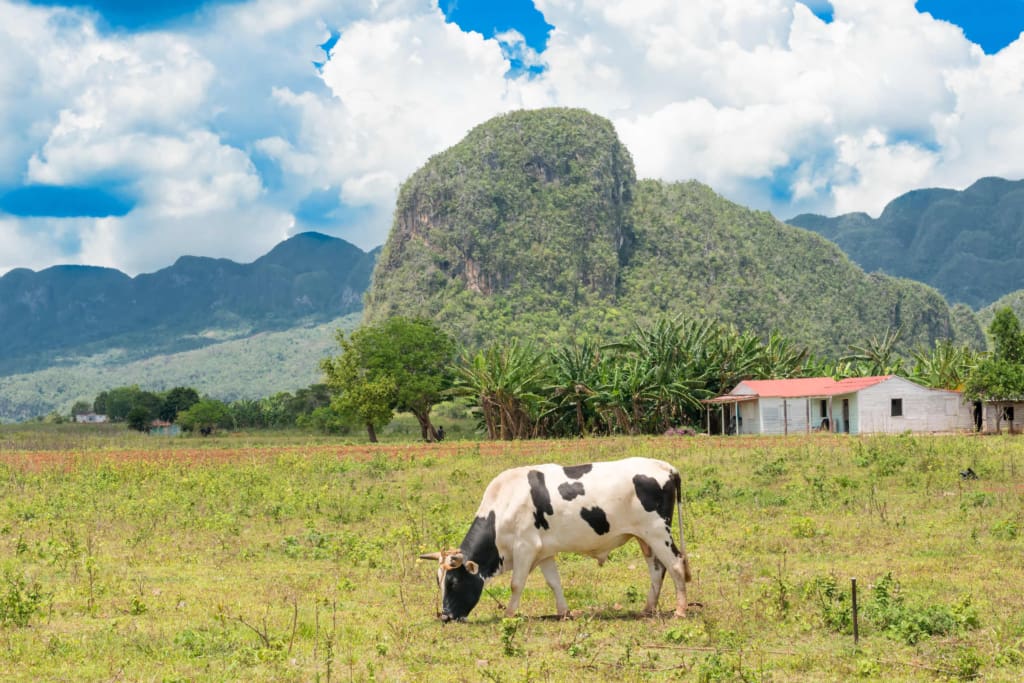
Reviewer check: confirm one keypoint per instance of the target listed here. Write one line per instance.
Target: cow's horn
(430, 556)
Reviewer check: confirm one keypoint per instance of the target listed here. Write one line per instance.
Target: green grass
(287, 557)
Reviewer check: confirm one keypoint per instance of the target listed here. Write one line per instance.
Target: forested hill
(76, 311)
(969, 245)
(535, 226)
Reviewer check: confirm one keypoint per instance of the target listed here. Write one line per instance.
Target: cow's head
(460, 583)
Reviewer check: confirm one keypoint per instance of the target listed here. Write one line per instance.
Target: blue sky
(132, 133)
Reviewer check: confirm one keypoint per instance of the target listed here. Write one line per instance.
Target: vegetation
(76, 311)
(999, 377)
(400, 364)
(272, 558)
(240, 369)
(535, 227)
(967, 244)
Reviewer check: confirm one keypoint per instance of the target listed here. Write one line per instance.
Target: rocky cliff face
(532, 204)
(535, 226)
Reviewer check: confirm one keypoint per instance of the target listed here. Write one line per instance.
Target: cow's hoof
(566, 616)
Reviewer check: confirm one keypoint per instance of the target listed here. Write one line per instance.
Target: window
(1008, 413)
(897, 407)
(824, 408)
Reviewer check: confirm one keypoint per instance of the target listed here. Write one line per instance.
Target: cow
(530, 514)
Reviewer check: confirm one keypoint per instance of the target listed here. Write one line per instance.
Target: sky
(133, 133)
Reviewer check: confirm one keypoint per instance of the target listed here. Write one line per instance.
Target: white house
(858, 405)
(90, 418)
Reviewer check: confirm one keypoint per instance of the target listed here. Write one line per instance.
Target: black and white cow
(530, 514)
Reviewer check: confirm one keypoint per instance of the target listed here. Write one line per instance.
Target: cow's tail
(677, 480)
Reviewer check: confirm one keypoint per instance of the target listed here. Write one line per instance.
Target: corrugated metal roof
(804, 387)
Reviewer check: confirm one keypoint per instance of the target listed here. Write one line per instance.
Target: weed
(20, 599)
(967, 663)
(1006, 529)
(911, 623)
(833, 603)
(509, 630)
(804, 527)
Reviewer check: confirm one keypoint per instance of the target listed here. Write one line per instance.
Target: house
(999, 416)
(90, 418)
(857, 405)
(164, 428)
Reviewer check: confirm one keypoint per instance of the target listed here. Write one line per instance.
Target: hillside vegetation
(535, 226)
(969, 245)
(252, 367)
(79, 311)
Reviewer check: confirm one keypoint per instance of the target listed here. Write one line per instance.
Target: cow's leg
(550, 571)
(671, 559)
(657, 571)
(521, 568)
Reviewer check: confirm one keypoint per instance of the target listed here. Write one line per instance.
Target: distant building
(91, 418)
(164, 428)
(857, 405)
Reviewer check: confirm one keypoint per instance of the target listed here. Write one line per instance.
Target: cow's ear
(472, 567)
(430, 556)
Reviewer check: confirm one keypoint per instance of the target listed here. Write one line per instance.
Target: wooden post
(853, 592)
(831, 418)
(785, 418)
(807, 402)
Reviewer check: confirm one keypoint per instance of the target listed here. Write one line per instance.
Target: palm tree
(945, 366)
(573, 375)
(505, 383)
(877, 356)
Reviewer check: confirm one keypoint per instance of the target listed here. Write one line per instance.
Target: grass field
(290, 558)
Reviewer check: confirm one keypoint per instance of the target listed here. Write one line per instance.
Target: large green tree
(999, 378)
(205, 416)
(398, 364)
(176, 401)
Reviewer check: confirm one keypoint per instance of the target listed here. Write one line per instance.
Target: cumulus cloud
(224, 130)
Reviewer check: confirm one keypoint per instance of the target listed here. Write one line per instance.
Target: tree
(506, 383)
(360, 393)
(176, 401)
(399, 364)
(205, 416)
(1006, 335)
(999, 378)
(81, 408)
(945, 366)
(117, 403)
(877, 356)
(139, 418)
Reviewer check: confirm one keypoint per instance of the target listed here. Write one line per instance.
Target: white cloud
(746, 95)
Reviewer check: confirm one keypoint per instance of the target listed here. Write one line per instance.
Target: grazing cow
(529, 514)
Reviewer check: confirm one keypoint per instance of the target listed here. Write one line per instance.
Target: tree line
(651, 381)
(184, 406)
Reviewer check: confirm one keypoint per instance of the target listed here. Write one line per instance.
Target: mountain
(969, 245)
(249, 367)
(63, 313)
(535, 225)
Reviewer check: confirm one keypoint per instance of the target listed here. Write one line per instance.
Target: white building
(858, 405)
(90, 418)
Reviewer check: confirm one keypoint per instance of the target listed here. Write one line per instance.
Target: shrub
(20, 600)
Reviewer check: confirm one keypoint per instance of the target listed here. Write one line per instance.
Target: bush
(20, 600)
(910, 623)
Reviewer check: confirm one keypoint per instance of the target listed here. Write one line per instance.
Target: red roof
(804, 386)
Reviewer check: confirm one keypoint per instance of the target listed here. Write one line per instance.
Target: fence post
(853, 589)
